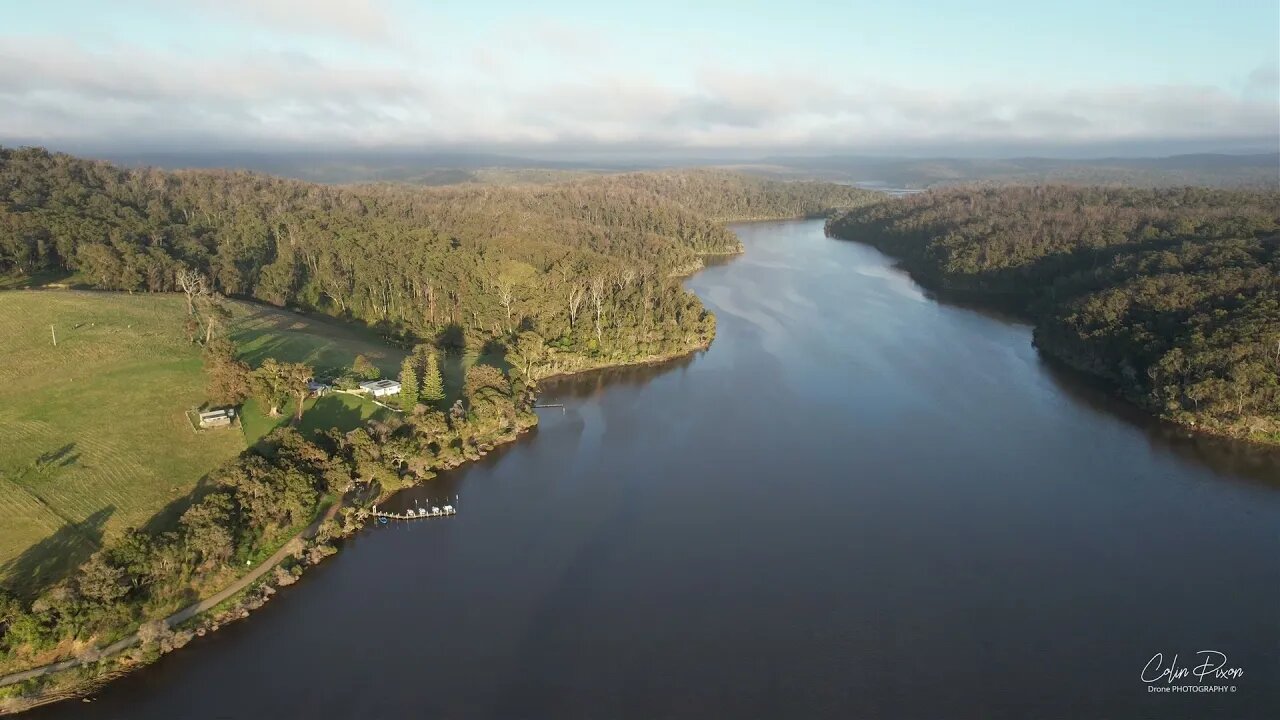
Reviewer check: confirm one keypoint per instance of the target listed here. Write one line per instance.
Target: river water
(858, 503)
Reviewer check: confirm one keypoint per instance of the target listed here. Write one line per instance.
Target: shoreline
(203, 613)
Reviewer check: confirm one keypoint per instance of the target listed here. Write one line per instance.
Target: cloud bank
(63, 92)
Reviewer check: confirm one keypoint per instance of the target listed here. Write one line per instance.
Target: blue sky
(801, 76)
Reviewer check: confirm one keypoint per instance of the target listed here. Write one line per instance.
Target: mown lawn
(94, 436)
(336, 410)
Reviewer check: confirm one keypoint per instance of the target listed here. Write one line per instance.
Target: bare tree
(599, 283)
(577, 292)
(627, 277)
(193, 284)
(506, 296)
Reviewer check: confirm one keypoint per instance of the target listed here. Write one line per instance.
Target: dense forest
(588, 266)
(1171, 295)
(727, 196)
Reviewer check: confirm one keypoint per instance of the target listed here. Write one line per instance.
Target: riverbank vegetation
(1171, 296)
(72, 587)
(248, 508)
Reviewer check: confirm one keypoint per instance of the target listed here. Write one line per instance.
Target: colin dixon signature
(1212, 665)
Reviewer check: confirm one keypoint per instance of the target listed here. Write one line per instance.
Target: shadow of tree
(493, 348)
(451, 336)
(329, 411)
(64, 456)
(452, 372)
(454, 364)
(280, 347)
(44, 463)
(166, 518)
(54, 557)
(314, 337)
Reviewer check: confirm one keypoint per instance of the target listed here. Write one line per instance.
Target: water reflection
(1230, 459)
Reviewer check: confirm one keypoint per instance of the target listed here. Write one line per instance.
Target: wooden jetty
(419, 513)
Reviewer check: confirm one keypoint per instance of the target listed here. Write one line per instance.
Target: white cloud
(360, 20)
(56, 92)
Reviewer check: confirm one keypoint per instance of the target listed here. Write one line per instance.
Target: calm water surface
(858, 503)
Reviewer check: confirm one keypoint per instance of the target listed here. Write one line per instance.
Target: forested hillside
(588, 266)
(1172, 295)
(727, 196)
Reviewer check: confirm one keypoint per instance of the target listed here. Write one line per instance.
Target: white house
(381, 388)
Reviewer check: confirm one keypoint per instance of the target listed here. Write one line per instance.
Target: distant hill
(1210, 170)
(340, 166)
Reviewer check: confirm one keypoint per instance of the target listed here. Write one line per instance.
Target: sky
(800, 77)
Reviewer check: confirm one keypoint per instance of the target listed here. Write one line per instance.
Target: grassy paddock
(262, 331)
(95, 433)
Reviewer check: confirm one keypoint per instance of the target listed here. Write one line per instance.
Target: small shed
(317, 388)
(217, 418)
(381, 388)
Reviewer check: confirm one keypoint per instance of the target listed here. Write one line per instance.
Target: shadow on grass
(40, 279)
(54, 557)
(280, 347)
(336, 410)
(64, 456)
(326, 343)
(332, 411)
(166, 518)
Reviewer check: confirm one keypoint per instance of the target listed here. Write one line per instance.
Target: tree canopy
(454, 264)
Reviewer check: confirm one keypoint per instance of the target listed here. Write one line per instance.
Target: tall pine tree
(408, 385)
(432, 382)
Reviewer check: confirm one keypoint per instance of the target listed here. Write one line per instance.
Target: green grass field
(261, 331)
(94, 436)
(93, 433)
